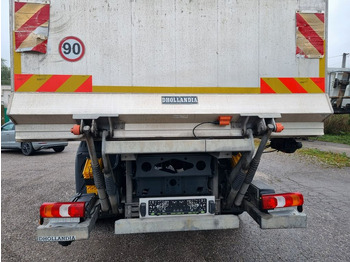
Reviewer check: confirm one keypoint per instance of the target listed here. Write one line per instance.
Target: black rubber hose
(253, 167)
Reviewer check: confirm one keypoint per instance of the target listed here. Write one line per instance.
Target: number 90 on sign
(71, 48)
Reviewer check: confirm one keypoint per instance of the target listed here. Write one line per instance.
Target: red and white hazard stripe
(31, 26)
(310, 34)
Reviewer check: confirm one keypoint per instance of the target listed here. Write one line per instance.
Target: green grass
(336, 129)
(340, 139)
(327, 158)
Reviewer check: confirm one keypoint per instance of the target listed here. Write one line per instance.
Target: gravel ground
(49, 176)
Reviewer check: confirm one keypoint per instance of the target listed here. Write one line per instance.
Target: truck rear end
(168, 98)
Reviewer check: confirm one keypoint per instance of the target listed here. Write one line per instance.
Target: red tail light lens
(282, 200)
(63, 209)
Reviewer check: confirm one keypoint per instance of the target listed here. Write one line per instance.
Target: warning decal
(31, 26)
(53, 83)
(285, 85)
(71, 48)
(310, 35)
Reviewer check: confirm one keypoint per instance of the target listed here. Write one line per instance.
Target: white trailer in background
(167, 97)
(338, 89)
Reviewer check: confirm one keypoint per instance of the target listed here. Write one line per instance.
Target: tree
(5, 73)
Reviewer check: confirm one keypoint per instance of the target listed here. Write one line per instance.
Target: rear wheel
(27, 148)
(58, 149)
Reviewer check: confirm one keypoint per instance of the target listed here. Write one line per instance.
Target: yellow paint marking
(322, 62)
(17, 61)
(177, 90)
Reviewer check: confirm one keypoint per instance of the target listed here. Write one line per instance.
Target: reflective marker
(63, 209)
(282, 200)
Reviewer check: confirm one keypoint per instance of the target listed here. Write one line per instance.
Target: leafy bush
(5, 73)
(337, 125)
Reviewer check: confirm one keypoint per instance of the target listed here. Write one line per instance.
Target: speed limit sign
(71, 48)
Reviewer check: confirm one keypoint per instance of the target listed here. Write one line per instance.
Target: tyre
(58, 149)
(27, 148)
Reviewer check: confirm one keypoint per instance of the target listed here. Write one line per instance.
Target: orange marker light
(279, 128)
(75, 130)
(224, 120)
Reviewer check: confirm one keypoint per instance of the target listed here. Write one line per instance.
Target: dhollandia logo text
(180, 100)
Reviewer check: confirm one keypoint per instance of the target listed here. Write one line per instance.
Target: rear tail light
(282, 200)
(63, 209)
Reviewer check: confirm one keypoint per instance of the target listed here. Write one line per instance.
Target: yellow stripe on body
(25, 13)
(308, 85)
(73, 83)
(17, 60)
(34, 83)
(177, 90)
(322, 62)
(276, 85)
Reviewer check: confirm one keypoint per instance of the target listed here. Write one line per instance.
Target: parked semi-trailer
(167, 98)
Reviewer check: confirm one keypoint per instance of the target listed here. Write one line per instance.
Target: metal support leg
(96, 170)
(216, 188)
(128, 200)
(111, 187)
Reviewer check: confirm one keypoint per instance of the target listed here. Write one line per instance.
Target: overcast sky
(338, 31)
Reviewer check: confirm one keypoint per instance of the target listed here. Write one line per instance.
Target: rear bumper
(173, 224)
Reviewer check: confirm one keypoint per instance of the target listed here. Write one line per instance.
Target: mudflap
(288, 217)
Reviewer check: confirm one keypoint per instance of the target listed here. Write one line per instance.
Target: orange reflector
(63, 209)
(282, 200)
(224, 120)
